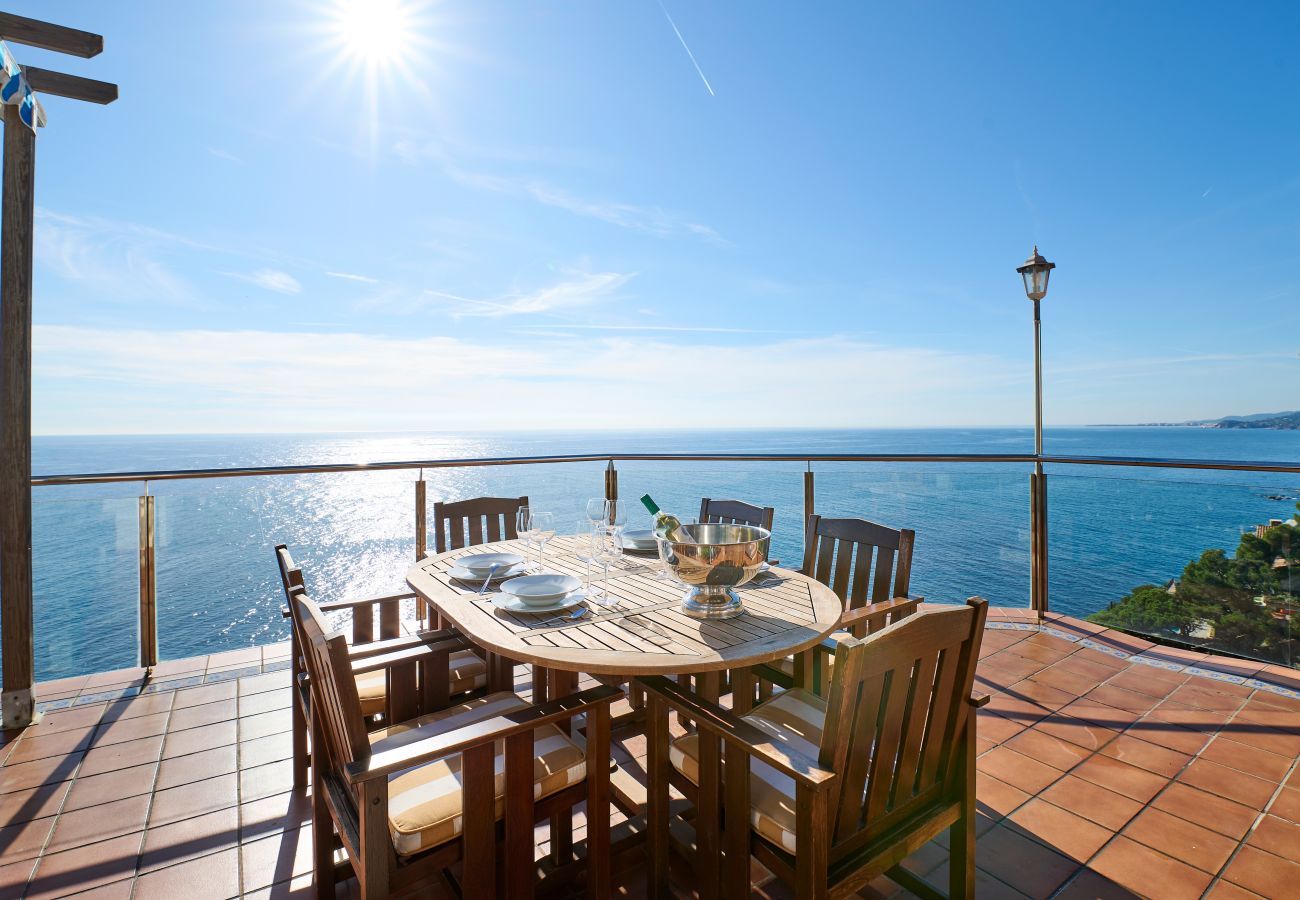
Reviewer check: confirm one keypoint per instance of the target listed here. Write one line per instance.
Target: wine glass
(543, 529)
(597, 511)
(608, 542)
(616, 514)
(524, 528)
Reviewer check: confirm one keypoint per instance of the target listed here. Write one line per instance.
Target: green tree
(1149, 609)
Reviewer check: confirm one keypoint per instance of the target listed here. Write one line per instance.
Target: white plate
(511, 603)
(462, 574)
(480, 563)
(538, 589)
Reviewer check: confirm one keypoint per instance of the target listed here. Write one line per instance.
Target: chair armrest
(388, 756)
(409, 654)
(979, 698)
(337, 605)
(737, 732)
(453, 639)
(872, 610)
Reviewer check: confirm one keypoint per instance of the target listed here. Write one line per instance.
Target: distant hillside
(1282, 421)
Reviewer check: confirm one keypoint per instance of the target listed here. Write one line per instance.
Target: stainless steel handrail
(476, 462)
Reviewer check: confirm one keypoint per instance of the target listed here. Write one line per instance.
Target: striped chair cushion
(794, 718)
(468, 673)
(425, 802)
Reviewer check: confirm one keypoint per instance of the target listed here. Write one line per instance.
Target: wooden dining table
(645, 633)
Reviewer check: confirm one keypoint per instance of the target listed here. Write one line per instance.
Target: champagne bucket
(715, 559)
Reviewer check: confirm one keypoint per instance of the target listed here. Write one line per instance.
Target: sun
(374, 33)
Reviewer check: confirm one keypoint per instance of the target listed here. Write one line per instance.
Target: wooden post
(809, 504)
(148, 583)
(611, 481)
(16, 420)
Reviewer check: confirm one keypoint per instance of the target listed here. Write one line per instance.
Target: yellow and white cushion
(425, 803)
(468, 672)
(795, 718)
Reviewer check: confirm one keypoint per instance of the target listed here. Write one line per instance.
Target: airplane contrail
(677, 32)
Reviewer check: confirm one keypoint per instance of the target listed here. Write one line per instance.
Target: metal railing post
(611, 481)
(1038, 541)
(148, 583)
(809, 503)
(421, 536)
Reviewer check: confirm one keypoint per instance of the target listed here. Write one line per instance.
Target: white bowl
(541, 590)
(481, 563)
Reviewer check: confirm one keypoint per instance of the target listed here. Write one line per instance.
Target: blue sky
(545, 216)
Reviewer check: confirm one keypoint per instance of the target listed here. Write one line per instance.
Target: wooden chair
(736, 512)
(869, 567)
(467, 672)
(468, 523)
(412, 800)
(828, 793)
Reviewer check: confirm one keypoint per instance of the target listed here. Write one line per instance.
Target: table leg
(742, 690)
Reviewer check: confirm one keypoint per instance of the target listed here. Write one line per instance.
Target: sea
(217, 586)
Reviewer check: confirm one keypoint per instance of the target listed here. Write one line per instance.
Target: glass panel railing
(971, 522)
(1181, 559)
(86, 584)
(679, 487)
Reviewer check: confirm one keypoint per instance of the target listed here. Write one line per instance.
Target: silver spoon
(492, 570)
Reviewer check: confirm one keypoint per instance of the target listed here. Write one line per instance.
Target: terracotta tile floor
(1109, 767)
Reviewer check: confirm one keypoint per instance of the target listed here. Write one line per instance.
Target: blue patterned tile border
(1105, 648)
(1011, 626)
(1157, 663)
(173, 684)
(1216, 675)
(105, 696)
(277, 666)
(1273, 688)
(231, 674)
(49, 705)
(1063, 635)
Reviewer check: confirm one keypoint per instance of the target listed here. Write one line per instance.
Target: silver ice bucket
(716, 559)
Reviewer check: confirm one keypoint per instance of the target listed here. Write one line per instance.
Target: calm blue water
(354, 533)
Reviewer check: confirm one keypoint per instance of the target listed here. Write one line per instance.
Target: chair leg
(322, 825)
(961, 836)
(298, 727)
(598, 849)
(657, 766)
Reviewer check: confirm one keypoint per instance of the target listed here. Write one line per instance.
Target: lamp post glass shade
(1036, 271)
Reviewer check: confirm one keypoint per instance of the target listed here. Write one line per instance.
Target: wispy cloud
(649, 219)
(112, 258)
(677, 32)
(350, 276)
(581, 289)
(700, 329)
(220, 153)
(208, 380)
(271, 280)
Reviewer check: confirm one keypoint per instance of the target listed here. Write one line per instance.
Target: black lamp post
(1036, 271)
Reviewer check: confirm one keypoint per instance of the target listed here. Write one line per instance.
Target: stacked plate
(640, 542)
(480, 566)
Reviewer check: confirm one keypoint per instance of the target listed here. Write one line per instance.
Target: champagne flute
(609, 550)
(524, 528)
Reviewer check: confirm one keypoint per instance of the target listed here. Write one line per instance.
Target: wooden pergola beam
(47, 36)
(72, 86)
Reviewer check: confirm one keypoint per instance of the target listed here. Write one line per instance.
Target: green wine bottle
(667, 526)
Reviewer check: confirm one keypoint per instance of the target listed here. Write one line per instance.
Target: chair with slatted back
(468, 523)
(736, 512)
(467, 670)
(829, 792)
(410, 801)
(869, 567)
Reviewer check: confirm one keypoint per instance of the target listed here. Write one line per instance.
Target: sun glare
(374, 32)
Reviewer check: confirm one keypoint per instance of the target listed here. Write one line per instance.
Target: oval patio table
(645, 634)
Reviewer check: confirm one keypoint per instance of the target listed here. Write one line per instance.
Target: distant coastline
(1282, 421)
